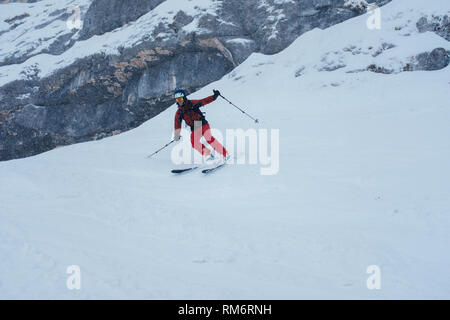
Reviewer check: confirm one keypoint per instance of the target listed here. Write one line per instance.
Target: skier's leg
(196, 135)
(217, 146)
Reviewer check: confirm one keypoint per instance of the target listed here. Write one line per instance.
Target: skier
(188, 110)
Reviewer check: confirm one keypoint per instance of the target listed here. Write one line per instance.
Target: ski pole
(256, 120)
(160, 149)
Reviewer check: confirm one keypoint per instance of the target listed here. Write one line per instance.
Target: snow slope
(363, 180)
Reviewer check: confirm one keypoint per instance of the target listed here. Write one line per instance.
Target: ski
(206, 171)
(178, 171)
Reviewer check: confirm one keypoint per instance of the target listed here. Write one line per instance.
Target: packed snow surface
(363, 180)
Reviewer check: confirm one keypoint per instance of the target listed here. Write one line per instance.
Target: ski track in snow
(363, 181)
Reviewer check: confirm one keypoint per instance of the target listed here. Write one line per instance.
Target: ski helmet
(180, 93)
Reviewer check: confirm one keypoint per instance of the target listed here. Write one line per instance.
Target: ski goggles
(179, 99)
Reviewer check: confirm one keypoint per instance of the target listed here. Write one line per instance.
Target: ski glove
(216, 94)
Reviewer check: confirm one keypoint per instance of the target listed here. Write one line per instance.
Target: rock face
(439, 25)
(30, 30)
(107, 15)
(103, 94)
(437, 59)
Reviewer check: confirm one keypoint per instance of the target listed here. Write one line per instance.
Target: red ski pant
(205, 131)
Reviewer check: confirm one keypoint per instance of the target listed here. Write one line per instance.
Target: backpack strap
(195, 108)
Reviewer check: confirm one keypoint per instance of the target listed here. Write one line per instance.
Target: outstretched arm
(204, 101)
(207, 99)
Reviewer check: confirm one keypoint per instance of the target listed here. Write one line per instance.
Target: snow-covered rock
(440, 24)
(32, 29)
(107, 15)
